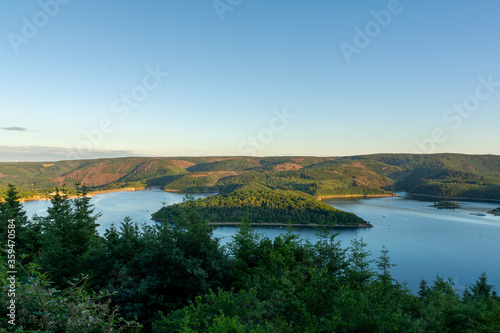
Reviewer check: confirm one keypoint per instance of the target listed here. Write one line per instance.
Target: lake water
(421, 240)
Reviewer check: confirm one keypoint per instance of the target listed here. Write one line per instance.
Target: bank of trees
(179, 279)
(261, 204)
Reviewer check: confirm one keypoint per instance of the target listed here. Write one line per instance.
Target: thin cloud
(37, 154)
(14, 128)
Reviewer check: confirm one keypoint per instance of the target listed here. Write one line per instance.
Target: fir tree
(68, 232)
(11, 209)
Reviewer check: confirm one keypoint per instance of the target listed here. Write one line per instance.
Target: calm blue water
(139, 205)
(421, 240)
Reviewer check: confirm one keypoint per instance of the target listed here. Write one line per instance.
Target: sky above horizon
(87, 79)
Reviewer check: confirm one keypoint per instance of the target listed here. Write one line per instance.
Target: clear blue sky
(68, 67)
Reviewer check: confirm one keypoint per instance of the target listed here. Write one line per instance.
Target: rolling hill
(441, 175)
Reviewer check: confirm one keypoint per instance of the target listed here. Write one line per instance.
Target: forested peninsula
(264, 206)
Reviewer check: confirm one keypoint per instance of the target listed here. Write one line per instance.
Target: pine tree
(423, 290)
(359, 271)
(84, 223)
(329, 252)
(68, 232)
(481, 289)
(384, 265)
(11, 209)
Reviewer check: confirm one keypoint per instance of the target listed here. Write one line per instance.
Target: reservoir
(422, 241)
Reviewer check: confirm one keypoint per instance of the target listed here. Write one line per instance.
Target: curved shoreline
(423, 196)
(341, 196)
(187, 192)
(126, 189)
(91, 193)
(313, 225)
(277, 224)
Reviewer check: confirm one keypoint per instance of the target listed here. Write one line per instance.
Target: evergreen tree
(11, 209)
(68, 232)
(328, 251)
(359, 271)
(424, 289)
(481, 289)
(173, 266)
(84, 224)
(384, 265)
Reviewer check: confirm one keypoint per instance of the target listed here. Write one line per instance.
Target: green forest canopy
(441, 175)
(261, 204)
(164, 278)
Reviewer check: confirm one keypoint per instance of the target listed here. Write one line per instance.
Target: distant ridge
(440, 175)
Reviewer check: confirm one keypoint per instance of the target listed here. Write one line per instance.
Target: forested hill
(450, 175)
(262, 205)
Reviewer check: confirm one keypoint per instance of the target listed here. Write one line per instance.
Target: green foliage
(447, 175)
(384, 265)
(282, 286)
(170, 267)
(179, 279)
(441, 175)
(359, 270)
(41, 307)
(192, 183)
(12, 209)
(110, 254)
(446, 204)
(230, 164)
(68, 232)
(263, 205)
(495, 211)
(442, 310)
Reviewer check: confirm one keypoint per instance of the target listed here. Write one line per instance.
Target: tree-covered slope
(449, 175)
(263, 205)
(179, 278)
(446, 175)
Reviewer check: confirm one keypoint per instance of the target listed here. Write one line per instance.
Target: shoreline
(187, 192)
(423, 196)
(341, 196)
(94, 193)
(294, 225)
(338, 196)
(125, 189)
(91, 193)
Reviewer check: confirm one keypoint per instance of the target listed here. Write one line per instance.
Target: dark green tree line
(177, 278)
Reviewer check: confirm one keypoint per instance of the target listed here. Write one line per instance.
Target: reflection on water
(423, 241)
